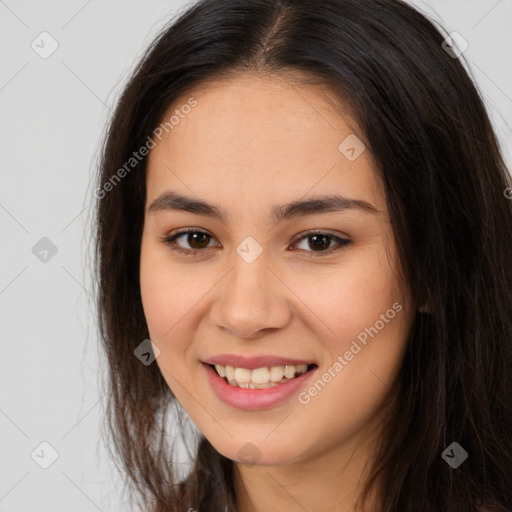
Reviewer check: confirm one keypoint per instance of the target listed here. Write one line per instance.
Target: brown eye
(321, 243)
(196, 241)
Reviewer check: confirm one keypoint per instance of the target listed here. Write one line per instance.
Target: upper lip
(254, 362)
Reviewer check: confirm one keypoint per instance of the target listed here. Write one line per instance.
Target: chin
(260, 453)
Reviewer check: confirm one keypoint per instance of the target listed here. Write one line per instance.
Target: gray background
(53, 113)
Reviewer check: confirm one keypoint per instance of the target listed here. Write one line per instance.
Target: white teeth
(251, 385)
(259, 378)
(242, 375)
(276, 373)
(264, 386)
(230, 372)
(289, 371)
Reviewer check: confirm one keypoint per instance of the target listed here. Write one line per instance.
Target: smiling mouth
(260, 378)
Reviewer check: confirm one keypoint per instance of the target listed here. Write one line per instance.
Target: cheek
(161, 291)
(172, 296)
(346, 299)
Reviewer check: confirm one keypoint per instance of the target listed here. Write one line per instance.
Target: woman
(302, 205)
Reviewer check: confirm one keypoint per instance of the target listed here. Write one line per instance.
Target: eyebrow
(319, 204)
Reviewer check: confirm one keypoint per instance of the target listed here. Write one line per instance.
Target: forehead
(265, 136)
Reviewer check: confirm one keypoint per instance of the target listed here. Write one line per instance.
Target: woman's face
(258, 282)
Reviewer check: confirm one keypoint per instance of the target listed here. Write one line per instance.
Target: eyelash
(170, 240)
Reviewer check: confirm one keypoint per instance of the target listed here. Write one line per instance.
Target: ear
(424, 309)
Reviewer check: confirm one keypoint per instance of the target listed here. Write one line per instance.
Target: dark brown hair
(427, 129)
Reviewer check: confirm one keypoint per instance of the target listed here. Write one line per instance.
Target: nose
(252, 300)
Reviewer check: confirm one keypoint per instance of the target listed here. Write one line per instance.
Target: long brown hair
(427, 129)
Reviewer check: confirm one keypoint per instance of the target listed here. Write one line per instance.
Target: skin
(251, 143)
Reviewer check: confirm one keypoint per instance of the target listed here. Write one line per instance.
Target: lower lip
(254, 399)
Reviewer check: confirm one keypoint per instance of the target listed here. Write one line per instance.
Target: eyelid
(342, 241)
(311, 232)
